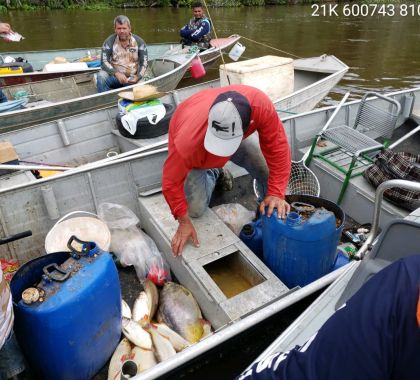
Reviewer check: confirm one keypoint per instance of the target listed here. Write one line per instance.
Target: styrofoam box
(271, 74)
(59, 67)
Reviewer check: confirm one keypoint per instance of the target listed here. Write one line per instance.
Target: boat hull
(79, 93)
(39, 59)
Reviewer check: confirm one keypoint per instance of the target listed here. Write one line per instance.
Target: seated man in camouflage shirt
(123, 59)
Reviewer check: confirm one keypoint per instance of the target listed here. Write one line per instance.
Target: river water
(381, 50)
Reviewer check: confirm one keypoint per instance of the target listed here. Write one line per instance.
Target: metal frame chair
(350, 149)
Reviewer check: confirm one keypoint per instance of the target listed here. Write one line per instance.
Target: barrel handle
(87, 247)
(55, 277)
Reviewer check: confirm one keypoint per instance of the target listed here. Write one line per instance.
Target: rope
(270, 47)
(214, 29)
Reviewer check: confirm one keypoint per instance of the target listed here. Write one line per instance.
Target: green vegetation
(99, 5)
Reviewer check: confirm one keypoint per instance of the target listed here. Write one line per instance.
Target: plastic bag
(117, 216)
(234, 215)
(132, 246)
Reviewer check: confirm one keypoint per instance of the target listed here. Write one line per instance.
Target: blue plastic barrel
(300, 250)
(251, 235)
(75, 330)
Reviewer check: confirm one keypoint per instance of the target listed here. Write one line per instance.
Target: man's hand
(121, 77)
(185, 232)
(5, 28)
(274, 202)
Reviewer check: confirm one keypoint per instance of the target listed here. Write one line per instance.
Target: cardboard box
(8, 156)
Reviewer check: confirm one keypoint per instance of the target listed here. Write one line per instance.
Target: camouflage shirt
(131, 60)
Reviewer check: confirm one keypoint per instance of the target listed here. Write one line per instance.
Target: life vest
(195, 24)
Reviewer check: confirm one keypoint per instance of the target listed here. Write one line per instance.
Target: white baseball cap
(229, 118)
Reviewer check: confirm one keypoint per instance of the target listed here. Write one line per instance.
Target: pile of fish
(178, 324)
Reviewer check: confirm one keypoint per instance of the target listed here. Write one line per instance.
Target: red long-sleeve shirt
(186, 151)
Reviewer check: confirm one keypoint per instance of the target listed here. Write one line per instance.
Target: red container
(197, 68)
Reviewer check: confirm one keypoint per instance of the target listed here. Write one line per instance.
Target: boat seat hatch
(400, 238)
(228, 281)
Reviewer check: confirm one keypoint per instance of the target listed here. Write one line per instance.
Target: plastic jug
(73, 327)
(197, 68)
(251, 235)
(301, 250)
(236, 51)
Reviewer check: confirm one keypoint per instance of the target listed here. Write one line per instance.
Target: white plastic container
(236, 52)
(65, 67)
(271, 74)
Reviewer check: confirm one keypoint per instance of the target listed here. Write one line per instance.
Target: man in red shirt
(207, 130)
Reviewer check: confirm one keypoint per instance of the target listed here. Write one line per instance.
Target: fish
(125, 310)
(206, 329)
(177, 341)
(179, 310)
(152, 297)
(141, 309)
(120, 355)
(163, 346)
(144, 358)
(136, 334)
(12, 36)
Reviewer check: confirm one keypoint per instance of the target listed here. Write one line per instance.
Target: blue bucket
(300, 250)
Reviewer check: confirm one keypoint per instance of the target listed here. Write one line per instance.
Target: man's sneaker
(225, 180)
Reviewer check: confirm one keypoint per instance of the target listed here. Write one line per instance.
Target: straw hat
(140, 93)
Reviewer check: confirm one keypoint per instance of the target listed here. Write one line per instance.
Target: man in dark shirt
(375, 335)
(198, 29)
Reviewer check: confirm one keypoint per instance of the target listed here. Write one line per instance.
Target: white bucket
(236, 51)
(85, 228)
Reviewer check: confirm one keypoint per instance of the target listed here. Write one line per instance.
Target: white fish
(152, 297)
(12, 36)
(177, 341)
(125, 310)
(141, 309)
(136, 334)
(163, 346)
(120, 355)
(144, 359)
